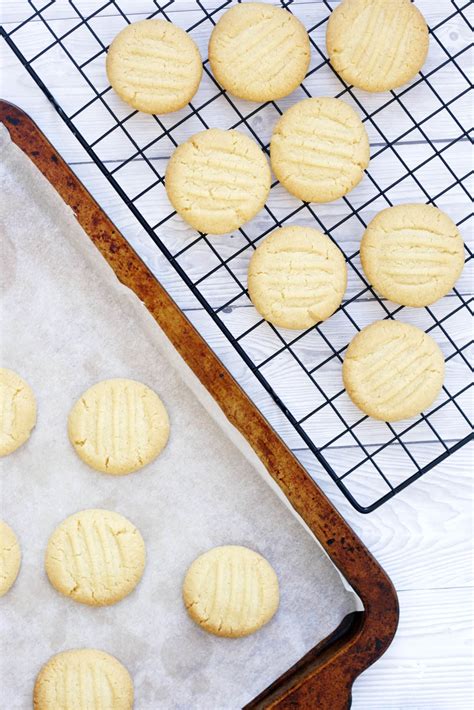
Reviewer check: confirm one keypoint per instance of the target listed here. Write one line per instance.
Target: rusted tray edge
(324, 677)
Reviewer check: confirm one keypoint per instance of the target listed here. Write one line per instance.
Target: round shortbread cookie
(319, 149)
(118, 426)
(377, 45)
(17, 411)
(218, 180)
(297, 277)
(96, 557)
(10, 557)
(412, 254)
(231, 591)
(154, 66)
(83, 679)
(259, 52)
(393, 370)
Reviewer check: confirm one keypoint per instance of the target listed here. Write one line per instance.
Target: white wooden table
(423, 537)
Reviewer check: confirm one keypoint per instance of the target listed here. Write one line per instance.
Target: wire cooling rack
(410, 155)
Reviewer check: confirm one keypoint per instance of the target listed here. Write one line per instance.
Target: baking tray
(323, 677)
(419, 137)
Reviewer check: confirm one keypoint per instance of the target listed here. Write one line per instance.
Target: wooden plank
(429, 664)
(423, 536)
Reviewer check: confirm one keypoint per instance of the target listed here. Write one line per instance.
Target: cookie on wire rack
(393, 370)
(377, 45)
(319, 149)
(412, 254)
(297, 277)
(154, 66)
(259, 52)
(217, 180)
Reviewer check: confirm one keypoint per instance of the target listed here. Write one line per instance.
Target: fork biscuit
(319, 149)
(377, 45)
(393, 370)
(412, 254)
(10, 557)
(95, 557)
(17, 411)
(231, 591)
(297, 277)
(118, 426)
(83, 679)
(154, 66)
(217, 180)
(259, 52)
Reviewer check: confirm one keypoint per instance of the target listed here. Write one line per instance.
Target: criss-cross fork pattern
(355, 451)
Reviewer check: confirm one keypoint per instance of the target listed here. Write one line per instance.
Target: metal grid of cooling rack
(404, 152)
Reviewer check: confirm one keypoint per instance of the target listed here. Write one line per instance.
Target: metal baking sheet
(66, 322)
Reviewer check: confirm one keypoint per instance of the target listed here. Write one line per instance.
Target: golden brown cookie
(218, 180)
(319, 149)
(259, 52)
(393, 370)
(96, 557)
(17, 411)
(118, 426)
(154, 66)
(377, 45)
(412, 254)
(10, 557)
(83, 679)
(297, 277)
(231, 591)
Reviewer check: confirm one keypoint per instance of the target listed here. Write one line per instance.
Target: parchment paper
(66, 323)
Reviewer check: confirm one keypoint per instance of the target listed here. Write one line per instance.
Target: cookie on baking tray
(231, 591)
(83, 679)
(95, 557)
(297, 277)
(10, 557)
(377, 45)
(319, 149)
(393, 370)
(259, 52)
(17, 411)
(217, 180)
(412, 254)
(118, 426)
(154, 66)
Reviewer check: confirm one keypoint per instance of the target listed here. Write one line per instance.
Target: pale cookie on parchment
(393, 370)
(319, 149)
(217, 180)
(95, 557)
(118, 426)
(297, 277)
(377, 45)
(83, 679)
(10, 557)
(154, 66)
(17, 411)
(259, 52)
(412, 254)
(231, 591)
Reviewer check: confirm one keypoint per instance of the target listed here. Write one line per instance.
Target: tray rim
(324, 676)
